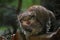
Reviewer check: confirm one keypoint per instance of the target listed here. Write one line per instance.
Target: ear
(19, 17)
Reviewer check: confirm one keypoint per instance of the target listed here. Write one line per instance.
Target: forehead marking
(26, 13)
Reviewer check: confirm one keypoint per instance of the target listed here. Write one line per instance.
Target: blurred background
(8, 19)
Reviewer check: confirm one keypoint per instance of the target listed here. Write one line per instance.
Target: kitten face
(30, 24)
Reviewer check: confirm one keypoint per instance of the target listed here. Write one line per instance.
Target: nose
(28, 22)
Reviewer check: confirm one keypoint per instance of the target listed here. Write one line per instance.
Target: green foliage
(6, 1)
(26, 4)
(14, 3)
(3, 28)
(36, 2)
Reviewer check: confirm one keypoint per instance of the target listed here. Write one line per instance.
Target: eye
(27, 18)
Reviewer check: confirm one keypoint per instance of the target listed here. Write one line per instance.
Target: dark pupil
(26, 18)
